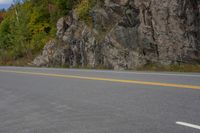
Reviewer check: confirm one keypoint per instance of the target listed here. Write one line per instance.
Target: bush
(83, 9)
(28, 24)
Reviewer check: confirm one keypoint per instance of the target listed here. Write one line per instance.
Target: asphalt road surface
(42, 100)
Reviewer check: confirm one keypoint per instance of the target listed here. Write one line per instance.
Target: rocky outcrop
(126, 34)
(173, 25)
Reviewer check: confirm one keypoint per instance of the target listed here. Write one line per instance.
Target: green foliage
(28, 25)
(23, 31)
(83, 9)
(5, 35)
(65, 6)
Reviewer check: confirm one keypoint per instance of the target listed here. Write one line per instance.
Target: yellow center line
(105, 79)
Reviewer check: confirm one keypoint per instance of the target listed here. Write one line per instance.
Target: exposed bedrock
(126, 34)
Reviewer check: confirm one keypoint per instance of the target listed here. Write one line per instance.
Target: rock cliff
(125, 34)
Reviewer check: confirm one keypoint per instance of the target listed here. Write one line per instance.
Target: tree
(28, 24)
(2, 12)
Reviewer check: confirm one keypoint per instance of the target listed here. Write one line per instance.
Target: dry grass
(172, 68)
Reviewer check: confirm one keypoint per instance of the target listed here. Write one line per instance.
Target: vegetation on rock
(116, 34)
(28, 25)
(83, 9)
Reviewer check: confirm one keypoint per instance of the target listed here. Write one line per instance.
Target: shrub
(83, 9)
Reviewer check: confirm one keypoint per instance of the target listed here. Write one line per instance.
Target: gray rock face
(174, 27)
(127, 34)
(52, 55)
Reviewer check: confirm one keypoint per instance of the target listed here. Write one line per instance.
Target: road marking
(188, 125)
(133, 72)
(105, 79)
(112, 71)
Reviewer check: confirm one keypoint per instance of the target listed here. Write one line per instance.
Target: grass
(23, 62)
(171, 68)
(19, 62)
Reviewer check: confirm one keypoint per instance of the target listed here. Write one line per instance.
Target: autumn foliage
(1, 16)
(26, 26)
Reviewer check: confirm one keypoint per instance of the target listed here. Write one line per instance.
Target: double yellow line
(105, 79)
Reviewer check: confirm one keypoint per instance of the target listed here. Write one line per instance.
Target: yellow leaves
(37, 22)
(40, 27)
(33, 17)
(83, 9)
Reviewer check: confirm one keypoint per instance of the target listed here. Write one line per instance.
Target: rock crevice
(127, 34)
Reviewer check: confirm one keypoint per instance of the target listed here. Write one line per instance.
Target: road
(47, 100)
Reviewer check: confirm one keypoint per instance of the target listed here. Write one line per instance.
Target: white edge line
(188, 125)
(112, 71)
